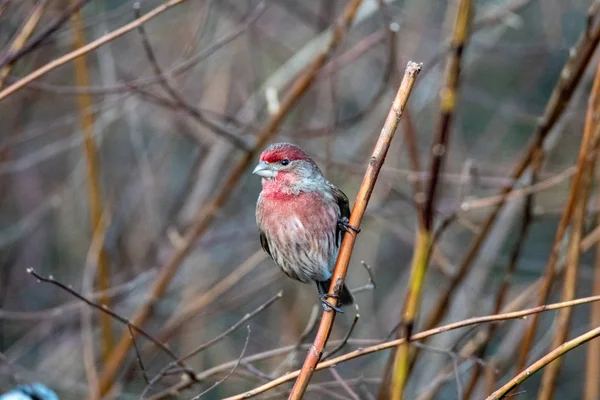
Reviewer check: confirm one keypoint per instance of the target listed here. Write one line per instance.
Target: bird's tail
(346, 297)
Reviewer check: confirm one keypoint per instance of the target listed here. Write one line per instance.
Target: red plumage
(301, 217)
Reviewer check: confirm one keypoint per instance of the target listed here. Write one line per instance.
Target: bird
(35, 391)
(301, 219)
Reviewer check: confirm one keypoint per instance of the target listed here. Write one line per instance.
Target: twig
(177, 97)
(346, 337)
(542, 362)
(417, 336)
(12, 56)
(138, 356)
(230, 372)
(84, 49)
(104, 309)
(84, 102)
(61, 310)
(19, 41)
(205, 216)
(210, 343)
(370, 285)
(410, 136)
(14, 376)
(521, 192)
(290, 360)
(362, 199)
(197, 304)
(140, 83)
(439, 147)
(344, 384)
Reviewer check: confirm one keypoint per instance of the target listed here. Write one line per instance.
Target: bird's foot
(327, 306)
(345, 225)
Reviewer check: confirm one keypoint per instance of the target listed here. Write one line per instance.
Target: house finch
(301, 218)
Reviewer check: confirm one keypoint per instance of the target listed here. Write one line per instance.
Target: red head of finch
(301, 217)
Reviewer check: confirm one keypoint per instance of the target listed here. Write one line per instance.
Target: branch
(418, 336)
(362, 199)
(210, 343)
(87, 48)
(542, 362)
(18, 42)
(230, 372)
(15, 53)
(592, 385)
(104, 309)
(177, 97)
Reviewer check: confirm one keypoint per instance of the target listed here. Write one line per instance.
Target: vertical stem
(592, 384)
(84, 102)
(448, 97)
(581, 194)
(569, 78)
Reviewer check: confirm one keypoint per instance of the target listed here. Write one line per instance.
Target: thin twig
(198, 303)
(345, 339)
(20, 39)
(292, 357)
(210, 343)
(177, 97)
(84, 49)
(370, 285)
(344, 384)
(544, 361)
(104, 309)
(417, 336)
(14, 376)
(230, 372)
(140, 83)
(15, 54)
(362, 199)
(138, 356)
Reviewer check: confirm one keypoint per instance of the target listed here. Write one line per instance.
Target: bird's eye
(285, 162)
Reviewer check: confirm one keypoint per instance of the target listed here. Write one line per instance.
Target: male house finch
(301, 217)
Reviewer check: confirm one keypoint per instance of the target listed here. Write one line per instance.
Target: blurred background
(158, 109)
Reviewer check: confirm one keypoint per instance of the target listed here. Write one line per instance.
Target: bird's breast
(305, 212)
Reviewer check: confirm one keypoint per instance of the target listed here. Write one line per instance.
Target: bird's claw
(346, 227)
(327, 306)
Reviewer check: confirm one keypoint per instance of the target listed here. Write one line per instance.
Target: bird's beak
(264, 169)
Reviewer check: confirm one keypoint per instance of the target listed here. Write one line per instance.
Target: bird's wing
(344, 205)
(264, 243)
